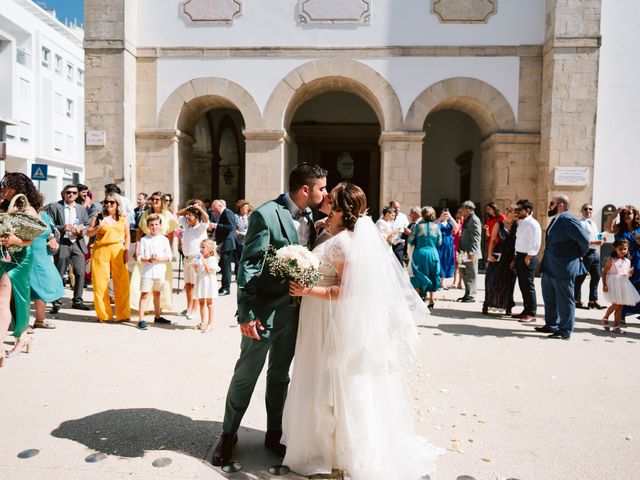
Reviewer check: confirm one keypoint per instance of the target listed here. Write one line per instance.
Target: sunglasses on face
(110, 202)
(69, 192)
(587, 209)
(519, 209)
(156, 199)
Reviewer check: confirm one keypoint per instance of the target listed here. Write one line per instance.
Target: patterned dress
(425, 261)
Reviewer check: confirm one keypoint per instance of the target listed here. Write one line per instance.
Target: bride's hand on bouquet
(250, 329)
(297, 290)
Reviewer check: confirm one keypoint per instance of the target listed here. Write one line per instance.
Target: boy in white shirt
(154, 252)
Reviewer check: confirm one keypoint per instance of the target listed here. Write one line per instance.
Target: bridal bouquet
(294, 262)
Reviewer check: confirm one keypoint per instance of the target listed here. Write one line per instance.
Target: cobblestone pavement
(109, 401)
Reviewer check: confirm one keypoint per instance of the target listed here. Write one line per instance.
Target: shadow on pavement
(132, 432)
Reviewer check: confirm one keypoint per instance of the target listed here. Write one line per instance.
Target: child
(154, 252)
(206, 283)
(616, 284)
(194, 221)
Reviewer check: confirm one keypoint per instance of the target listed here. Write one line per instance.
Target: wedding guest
(625, 225)
(127, 208)
(85, 198)
(470, 240)
(399, 226)
(448, 228)
(109, 259)
(194, 221)
(528, 242)
(457, 277)
(617, 287)
(591, 261)
(168, 227)
(153, 253)
(415, 214)
(71, 220)
(566, 243)
(384, 224)
(206, 288)
(425, 261)
(225, 235)
(44, 280)
(141, 207)
(242, 224)
(15, 267)
(499, 291)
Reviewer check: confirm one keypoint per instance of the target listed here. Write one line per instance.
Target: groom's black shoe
(224, 449)
(272, 442)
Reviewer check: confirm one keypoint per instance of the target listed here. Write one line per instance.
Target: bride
(348, 406)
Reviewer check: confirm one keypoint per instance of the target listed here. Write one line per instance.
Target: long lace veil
(376, 317)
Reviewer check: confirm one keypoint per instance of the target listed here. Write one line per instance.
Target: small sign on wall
(571, 176)
(96, 138)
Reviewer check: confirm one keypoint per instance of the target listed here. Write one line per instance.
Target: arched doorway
(451, 167)
(339, 131)
(212, 158)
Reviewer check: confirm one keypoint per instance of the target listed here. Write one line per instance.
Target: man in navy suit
(227, 240)
(566, 243)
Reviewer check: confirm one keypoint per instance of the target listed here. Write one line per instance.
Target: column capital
(401, 136)
(267, 136)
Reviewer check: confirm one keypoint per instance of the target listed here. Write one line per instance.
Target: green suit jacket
(260, 295)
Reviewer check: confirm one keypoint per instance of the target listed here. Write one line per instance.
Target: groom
(267, 323)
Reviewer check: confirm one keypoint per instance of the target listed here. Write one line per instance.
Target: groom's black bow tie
(300, 214)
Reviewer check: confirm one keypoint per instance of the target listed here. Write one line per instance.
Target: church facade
(424, 101)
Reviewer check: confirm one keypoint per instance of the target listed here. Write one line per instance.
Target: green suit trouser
(279, 342)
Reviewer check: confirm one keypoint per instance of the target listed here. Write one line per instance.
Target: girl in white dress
(617, 287)
(348, 407)
(206, 288)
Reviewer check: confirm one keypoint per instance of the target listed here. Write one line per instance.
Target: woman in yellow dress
(109, 259)
(168, 226)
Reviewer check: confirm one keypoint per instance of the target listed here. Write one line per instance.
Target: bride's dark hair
(352, 201)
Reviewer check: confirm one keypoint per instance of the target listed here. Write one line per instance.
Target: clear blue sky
(66, 9)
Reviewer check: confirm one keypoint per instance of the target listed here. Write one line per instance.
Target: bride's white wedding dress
(348, 405)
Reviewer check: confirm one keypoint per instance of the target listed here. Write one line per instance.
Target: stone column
(509, 168)
(158, 161)
(401, 167)
(569, 96)
(110, 92)
(266, 176)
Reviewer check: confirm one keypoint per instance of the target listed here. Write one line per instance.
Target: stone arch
(482, 102)
(186, 104)
(333, 74)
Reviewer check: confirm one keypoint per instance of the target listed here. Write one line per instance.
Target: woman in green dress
(425, 261)
(15, 267)
(45, 281)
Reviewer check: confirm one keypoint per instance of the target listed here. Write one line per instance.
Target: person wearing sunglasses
(591, 261)
(109, 259)
(71, 220)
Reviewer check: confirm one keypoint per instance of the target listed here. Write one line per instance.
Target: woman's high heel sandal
(22, 344)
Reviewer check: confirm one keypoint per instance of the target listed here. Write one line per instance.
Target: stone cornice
(573, 43)
(109, 45)
(306, 52)
(266, 136)
(511, 138)
(401, 137)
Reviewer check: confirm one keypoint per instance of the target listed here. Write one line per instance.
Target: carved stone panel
(334, 11)
(211, 11)
(464, 11)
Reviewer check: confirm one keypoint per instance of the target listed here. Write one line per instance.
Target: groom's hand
(250, 329)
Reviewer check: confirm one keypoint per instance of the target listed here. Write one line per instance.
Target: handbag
(16, 222)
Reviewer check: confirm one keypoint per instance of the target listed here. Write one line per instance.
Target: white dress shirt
(590, 226)
(302, 223)
(528, 236)
(398, 225)
(150, 245)
(70, 219)
(192, 237)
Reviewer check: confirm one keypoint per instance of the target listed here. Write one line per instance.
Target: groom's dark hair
(305, 174)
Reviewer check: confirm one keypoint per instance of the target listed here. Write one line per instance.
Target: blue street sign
(39, 172)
